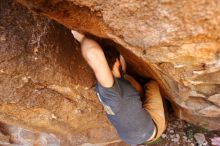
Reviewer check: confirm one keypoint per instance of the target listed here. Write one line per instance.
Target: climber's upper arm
(95, 57)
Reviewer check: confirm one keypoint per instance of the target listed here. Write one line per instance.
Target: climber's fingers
(78, 36)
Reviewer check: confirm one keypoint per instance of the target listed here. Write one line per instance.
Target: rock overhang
(176, 43)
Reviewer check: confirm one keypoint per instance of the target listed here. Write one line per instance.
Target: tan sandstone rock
(175, 42)
(47, 91)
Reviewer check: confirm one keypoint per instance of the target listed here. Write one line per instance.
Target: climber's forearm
(95, 57)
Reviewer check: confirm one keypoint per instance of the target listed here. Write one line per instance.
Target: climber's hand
(78, 36)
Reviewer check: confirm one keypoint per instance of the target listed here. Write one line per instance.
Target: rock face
(11, 134)
(175, 42)
(47, 93)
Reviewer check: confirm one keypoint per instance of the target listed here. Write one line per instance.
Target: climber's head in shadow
(115, 60)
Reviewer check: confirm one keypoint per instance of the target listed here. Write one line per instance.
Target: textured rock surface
(176, 42)
(45, 85)
(18, 136)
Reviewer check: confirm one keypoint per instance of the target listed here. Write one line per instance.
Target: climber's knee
(134, 83)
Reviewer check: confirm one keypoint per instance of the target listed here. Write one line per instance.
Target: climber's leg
(154, 105)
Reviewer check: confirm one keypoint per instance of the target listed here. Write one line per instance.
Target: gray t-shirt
(124, 110)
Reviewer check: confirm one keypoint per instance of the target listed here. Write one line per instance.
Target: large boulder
(175, 42)
(47, 90)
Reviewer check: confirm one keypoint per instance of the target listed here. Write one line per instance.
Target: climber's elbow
(90, 50)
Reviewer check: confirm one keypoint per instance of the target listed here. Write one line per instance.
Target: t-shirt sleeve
(110, 97)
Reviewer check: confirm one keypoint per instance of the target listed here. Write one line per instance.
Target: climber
(136, 122)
